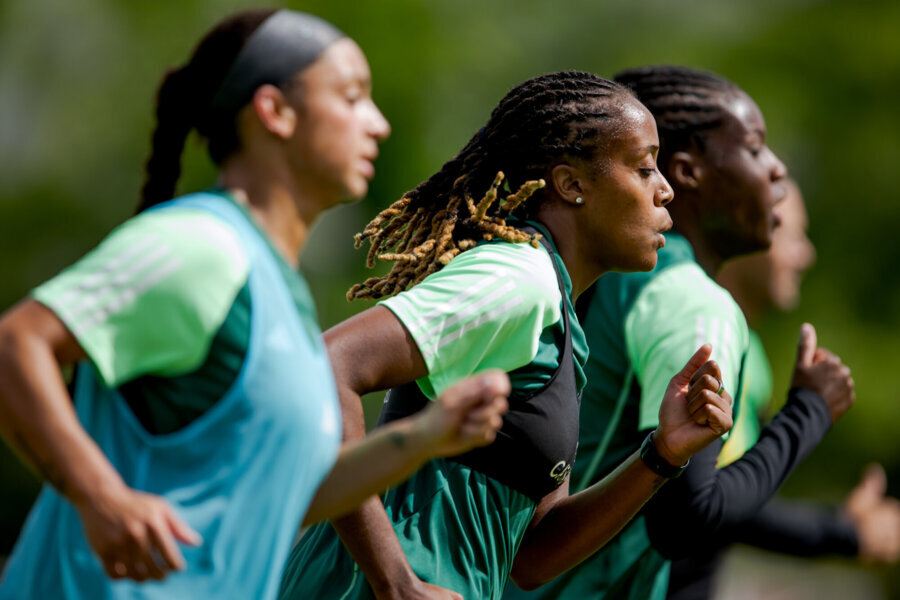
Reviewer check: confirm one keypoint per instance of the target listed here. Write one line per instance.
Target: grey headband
(285, 43)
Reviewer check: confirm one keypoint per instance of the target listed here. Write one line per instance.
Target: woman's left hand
(466, 415)
(695, 410)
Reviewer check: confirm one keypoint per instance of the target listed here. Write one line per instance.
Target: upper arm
(486, 309)
(151, 296)
(676, 313)
(32, 322)
(373, 351)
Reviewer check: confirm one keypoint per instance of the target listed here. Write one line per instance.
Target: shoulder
(495, 276)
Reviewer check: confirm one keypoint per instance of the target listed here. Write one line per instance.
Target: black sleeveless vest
(534, 450)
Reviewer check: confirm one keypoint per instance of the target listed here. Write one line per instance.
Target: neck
(276, 203)
(582, 272)
(688, 221)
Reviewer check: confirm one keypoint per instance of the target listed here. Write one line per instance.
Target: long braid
(183, 102)
(685, 103)
(536, 125)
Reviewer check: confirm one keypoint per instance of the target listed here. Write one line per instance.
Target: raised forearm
(369, 466)
(577, 526)
(691, 512)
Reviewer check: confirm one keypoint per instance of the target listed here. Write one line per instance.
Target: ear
(273, 111)
(685, 170)
(569, 183)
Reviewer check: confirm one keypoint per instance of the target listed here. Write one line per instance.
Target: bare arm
(37, 418)
(373, 351)
(466, 415)
(568, 529)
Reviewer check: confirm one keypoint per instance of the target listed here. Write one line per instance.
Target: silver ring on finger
(721, 387)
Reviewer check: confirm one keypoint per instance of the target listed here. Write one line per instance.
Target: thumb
(477, 388)
(683, 377)
(182, 531)
(874, 481)
(806, 347)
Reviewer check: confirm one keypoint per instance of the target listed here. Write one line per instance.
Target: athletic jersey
(756, 394)
(642, 328)
(155, 305)
(497, 305)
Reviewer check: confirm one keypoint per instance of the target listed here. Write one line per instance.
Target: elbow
(526, 581)
(527, 576)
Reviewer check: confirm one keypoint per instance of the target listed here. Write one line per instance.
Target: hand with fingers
(135, 534)
(424, 591)
(876, 517)
(468, 414)
(695, 410)
(823, 372)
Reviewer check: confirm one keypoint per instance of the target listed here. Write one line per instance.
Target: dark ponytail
(183, 102)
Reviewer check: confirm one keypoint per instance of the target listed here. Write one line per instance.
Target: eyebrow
(651, 148)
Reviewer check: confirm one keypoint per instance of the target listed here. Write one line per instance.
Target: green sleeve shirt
(151, 296)
(672, 316)
(489, 308)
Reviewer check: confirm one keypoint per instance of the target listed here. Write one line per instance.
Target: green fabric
(151, 297)
(162, 308)
(451, 539)
(626, 559)
(675, 313)
(652, 322)
(459, 528)
(494, 306)
(756, 394)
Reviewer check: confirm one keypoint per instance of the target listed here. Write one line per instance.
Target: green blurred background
(78, 78)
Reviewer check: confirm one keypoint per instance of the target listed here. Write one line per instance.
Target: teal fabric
(242, 475)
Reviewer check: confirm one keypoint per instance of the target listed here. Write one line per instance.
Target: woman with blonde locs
(557, 188)
(204, 410)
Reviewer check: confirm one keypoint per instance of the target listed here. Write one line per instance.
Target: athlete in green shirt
(579, 152)
(641, 326)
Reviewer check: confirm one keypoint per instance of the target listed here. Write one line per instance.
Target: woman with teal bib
(573, 157)
(203, 409)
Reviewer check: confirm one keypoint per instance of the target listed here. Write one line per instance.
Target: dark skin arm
(373, 351)
(369, 352)
(126, 528)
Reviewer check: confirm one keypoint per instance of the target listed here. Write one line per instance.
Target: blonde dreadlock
(537, 124)
(418, 247)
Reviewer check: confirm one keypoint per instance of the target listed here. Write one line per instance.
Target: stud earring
(579, 200)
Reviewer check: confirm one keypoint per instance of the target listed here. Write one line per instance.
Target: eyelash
(647, 172)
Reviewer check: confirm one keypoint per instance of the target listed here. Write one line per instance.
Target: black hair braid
(685, 103)
(539, 123)
(183, 104)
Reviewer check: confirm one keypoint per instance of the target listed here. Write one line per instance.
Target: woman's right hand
(695, 410)
(135, 534)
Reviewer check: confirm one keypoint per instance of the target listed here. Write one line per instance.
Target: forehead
(742, 115)
(636, 129)
(340, 63)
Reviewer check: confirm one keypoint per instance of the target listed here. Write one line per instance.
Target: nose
(380, 129)
(664, 194)
(779, 170)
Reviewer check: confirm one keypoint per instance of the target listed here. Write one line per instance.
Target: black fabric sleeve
(688, 515)
(800, 529)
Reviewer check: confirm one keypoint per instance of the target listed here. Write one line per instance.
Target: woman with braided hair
(641, 326)
(559, 187)
(205, 410)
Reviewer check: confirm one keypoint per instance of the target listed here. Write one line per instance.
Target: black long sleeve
(689, 514)
(800, 529)
(790, 527)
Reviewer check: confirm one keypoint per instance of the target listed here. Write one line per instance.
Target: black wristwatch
(657, 463)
